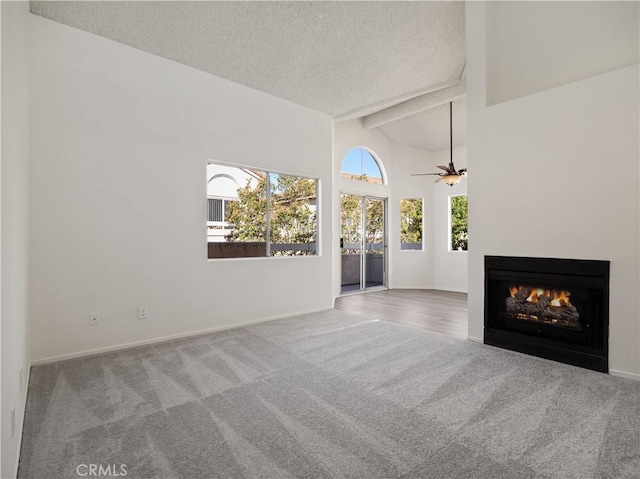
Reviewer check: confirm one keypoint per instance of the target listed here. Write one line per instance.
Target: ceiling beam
(383, 105)
(415, 105)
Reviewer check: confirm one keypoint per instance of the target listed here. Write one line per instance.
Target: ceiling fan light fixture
(451, 179)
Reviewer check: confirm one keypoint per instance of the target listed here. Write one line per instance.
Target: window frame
(268, 173)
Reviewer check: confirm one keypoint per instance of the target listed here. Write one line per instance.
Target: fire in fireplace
(553, 308)
(547, 306)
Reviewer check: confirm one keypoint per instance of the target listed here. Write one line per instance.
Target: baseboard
(24, 412)
(450, 290)
(428, 288)
(624, 374)
(164, 339)
(410, 286)
(475, 340)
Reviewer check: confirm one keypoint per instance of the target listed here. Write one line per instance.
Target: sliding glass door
(362, 243)
(374, 246)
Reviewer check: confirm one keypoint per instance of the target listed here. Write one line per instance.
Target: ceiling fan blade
(426, 174)
(462, 172)
(445, 168)
(438, 180)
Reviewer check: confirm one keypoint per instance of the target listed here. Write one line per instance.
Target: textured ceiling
(334, 57)
(430, 129)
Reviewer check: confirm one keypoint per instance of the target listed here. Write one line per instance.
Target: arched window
(223, 185)
(359, 164)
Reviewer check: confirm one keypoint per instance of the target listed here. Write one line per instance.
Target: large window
(359, 164)
(411, 223)
(458, 221)
(238, 213)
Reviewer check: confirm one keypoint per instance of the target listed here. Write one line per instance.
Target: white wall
(450, 268)
(15, 231)
(555, 174)
(537, 45)
(120, 141)
(407, 269)
(411, 269)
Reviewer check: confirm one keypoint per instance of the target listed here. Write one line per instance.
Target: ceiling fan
(452, 176)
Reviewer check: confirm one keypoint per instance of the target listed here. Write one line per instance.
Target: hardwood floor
(444, 312)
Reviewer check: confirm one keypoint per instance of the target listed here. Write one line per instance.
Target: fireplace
(552, 308)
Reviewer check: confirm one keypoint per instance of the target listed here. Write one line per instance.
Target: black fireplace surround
(552, 308)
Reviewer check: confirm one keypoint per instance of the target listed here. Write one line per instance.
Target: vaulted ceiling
(429, 129)
(346, 59)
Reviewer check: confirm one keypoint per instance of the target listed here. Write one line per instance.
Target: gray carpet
(329, 395)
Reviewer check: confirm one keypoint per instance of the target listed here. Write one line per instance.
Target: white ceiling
(335, 57)
(430, 129)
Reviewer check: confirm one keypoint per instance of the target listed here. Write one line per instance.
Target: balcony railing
(258, 249)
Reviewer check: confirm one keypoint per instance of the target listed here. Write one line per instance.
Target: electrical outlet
(94, 319)
(143, 312)
(13, 421)
(21, 379)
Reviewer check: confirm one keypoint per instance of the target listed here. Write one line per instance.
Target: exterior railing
(256, 249)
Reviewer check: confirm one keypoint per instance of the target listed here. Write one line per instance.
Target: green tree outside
(410, 220)
(351, 221)
(291, 218)
(292, 221)
(248, 216)
(459, 233)
(374, 227)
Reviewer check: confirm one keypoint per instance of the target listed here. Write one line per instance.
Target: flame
(559, 298)
(536, 293)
